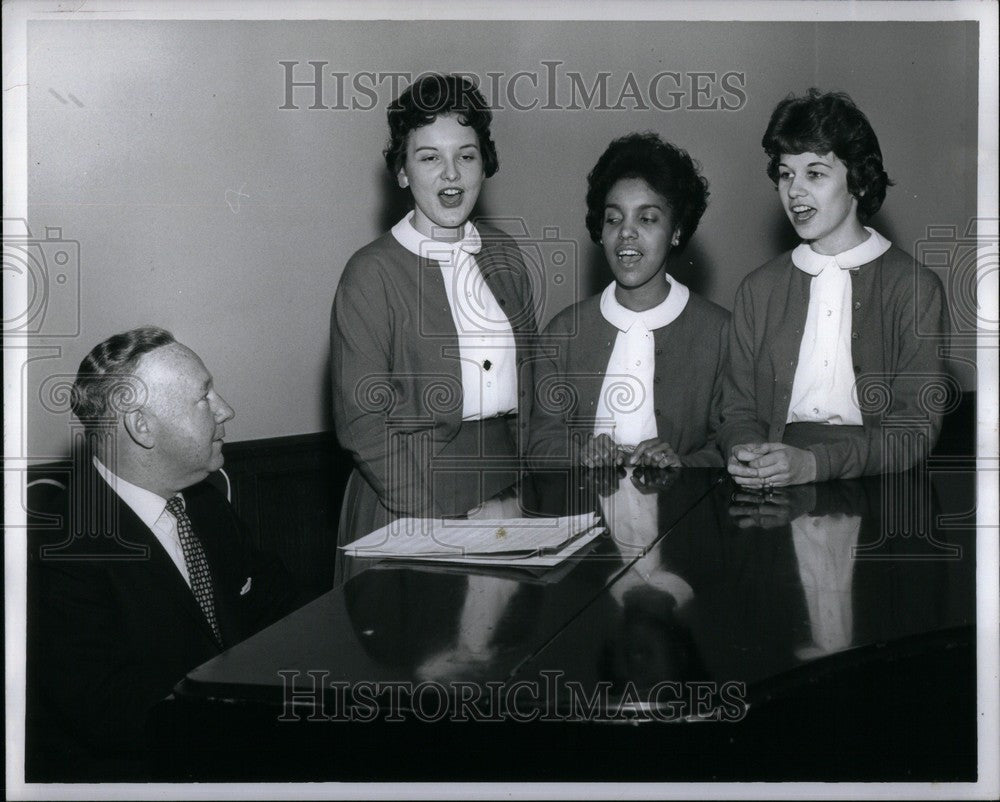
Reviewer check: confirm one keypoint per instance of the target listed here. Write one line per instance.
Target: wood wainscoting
(288, 491)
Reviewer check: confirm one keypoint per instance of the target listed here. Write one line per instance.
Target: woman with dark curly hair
(633, 376)
(429, 326)
(838, 335)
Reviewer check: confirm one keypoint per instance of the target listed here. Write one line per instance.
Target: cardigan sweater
(397, 388)
(571, 361)
(899, 320)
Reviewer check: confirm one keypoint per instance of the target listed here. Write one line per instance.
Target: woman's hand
(654, 453)
(767, 465)
(601, 452)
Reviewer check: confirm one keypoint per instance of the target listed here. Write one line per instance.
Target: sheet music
(490, 539)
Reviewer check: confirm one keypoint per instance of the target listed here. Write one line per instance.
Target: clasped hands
(763, 466)
(603, 452)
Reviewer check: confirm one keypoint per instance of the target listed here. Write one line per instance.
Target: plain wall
(202, 206)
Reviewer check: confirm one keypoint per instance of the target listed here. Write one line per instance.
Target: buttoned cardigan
(397, 388)
(899, 322)
(571, 361)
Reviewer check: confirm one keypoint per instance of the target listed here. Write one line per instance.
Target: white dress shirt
(823, 389)
(625, 406)
(486, 345)
(151, 509)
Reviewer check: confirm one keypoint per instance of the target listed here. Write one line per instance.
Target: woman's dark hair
(421, 103)
(666, 168)
(830, 122)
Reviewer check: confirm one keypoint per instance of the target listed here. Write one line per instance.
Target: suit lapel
(164, 580)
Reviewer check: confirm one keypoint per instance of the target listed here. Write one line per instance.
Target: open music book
(525, 542)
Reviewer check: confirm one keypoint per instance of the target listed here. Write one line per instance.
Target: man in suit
(150, 573)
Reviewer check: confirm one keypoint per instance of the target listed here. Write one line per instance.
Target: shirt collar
(808, 261)
(427, 248)
(664, 313)
(146, 504)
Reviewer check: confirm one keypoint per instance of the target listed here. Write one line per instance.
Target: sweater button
(857, 304)
(656, 380)
(857, 368)
(659, 351)
(854, 335)
(502, 302)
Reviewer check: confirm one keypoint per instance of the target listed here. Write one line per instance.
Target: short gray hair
(105, 383)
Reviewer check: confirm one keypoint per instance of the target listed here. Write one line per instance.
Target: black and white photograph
(501, 400)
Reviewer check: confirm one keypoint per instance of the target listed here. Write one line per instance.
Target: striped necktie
(197, 564)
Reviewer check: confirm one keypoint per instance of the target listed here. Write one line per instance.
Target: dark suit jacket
(112, 625)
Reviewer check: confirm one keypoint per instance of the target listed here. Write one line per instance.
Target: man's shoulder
(82, 524)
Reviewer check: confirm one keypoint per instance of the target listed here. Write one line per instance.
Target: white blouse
(625, 406)
(486, 346)
(823, 389)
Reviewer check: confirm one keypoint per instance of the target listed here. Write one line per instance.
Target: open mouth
(628, 255)
(451, 197)
(802, 213)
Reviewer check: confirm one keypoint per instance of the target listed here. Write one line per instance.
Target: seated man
(150, 574)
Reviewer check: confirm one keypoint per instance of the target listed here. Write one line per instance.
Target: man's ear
(137, 424)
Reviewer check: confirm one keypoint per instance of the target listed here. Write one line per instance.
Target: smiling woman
(429, 327)
(633, 375)
(840, 334)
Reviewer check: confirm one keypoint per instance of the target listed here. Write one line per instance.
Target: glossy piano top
(694, 582)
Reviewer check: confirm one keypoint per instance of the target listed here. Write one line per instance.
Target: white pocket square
(246, 588)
